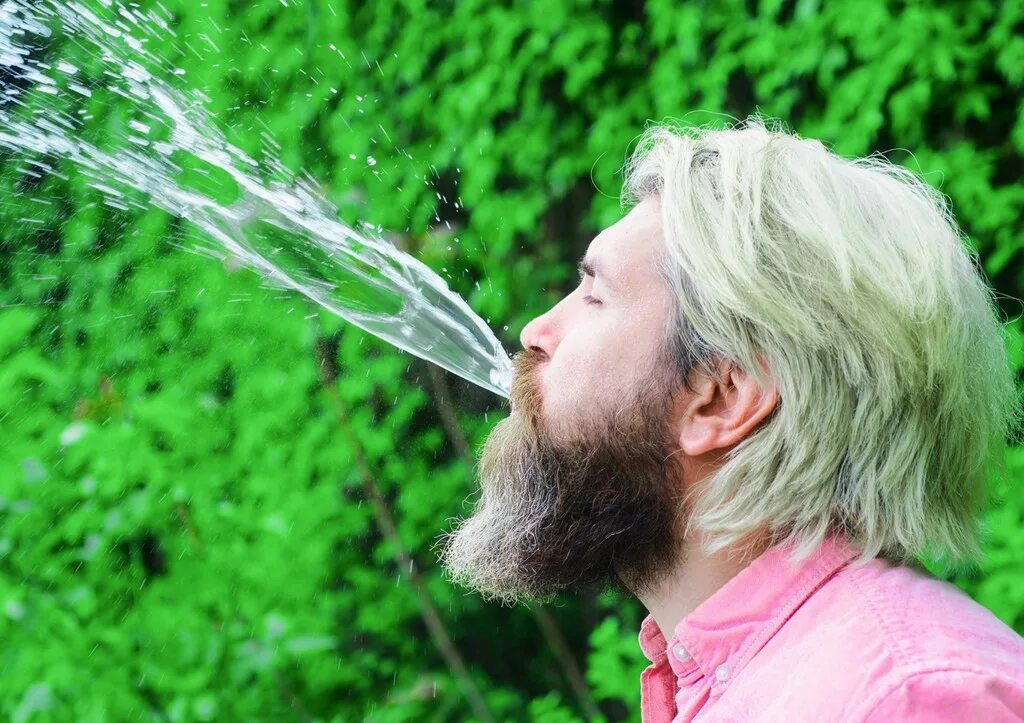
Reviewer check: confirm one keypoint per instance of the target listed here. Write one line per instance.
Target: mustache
(525, 397)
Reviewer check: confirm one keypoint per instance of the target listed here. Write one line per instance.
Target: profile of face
(580, 486)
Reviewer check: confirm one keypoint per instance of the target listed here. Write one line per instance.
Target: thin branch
(445, 409)
(186, 521)
(294, 701)
(545, 621)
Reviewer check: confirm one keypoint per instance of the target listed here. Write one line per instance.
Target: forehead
(629, 249)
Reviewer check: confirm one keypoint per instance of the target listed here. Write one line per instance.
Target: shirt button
(722, 672)
(680, 652)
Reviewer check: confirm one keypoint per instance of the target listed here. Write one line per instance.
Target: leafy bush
(185, 532)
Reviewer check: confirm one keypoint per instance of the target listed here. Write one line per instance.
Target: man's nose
(539, 335)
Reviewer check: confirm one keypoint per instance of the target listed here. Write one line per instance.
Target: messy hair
(851, 282)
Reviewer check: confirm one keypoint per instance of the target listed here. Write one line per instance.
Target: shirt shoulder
(949, 696)
(938, 655)
(877, 639)
(925, 623)
(950, 658)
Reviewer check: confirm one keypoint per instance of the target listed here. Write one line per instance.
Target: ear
(720, 414)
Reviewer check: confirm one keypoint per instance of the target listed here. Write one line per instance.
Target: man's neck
(697, 577)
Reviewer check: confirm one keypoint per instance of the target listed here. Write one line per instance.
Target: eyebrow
(591, 267)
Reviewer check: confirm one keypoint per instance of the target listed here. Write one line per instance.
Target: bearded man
(780, 382)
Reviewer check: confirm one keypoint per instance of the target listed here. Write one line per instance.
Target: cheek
(564, 380)
(587, 372)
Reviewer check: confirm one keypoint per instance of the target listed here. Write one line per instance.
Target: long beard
(598, 507)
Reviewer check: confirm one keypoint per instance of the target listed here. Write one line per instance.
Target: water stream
(284, 229)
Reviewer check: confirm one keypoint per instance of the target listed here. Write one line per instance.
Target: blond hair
(851, 280)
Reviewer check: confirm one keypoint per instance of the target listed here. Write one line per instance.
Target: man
(780, 379)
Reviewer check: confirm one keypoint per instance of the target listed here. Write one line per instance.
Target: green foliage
(614, 658)
(183, 531)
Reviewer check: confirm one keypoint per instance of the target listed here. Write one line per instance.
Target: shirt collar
(726, 630)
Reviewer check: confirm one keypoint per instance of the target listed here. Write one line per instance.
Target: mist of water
(284, 229)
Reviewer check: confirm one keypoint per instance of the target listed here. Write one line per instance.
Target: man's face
(579, 487)
(599, 342)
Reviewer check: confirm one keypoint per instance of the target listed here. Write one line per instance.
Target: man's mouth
(526, 384)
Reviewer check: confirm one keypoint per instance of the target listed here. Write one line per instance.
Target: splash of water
(285, 230)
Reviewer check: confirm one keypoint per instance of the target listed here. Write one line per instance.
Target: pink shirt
(825, 641)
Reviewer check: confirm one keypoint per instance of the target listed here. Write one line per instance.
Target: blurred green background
(199, 474)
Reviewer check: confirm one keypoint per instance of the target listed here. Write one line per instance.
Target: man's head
(774, 343)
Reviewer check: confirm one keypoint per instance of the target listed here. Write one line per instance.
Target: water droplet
(371, 161)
